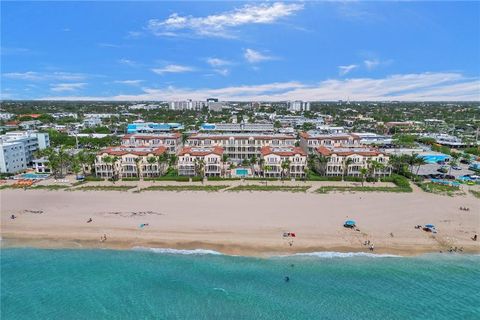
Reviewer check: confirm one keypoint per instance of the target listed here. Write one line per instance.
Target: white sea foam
(332, 254)
(178, 251)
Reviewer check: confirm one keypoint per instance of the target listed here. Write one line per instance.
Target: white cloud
(371, 64)
(127, 62)
(61, 87)
(39, 76)
(216, 62)
(134, 34)
(129, 82)
(343, 70)
(220, 25)
(173, 68)
(403, 87)
(222, 71)
(253, 56)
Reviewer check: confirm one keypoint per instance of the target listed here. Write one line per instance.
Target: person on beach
(372, 247)
(474, 238)
(103, 238)
(89, 220)
(13, 217)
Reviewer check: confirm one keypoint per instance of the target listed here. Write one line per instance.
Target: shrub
(93, 178)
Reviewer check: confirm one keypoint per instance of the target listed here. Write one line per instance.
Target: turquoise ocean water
(148, 284)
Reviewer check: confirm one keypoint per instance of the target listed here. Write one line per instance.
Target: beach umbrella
(431, 226)
(349, 223)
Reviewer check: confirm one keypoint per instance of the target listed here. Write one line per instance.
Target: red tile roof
(212, 136)
(282, 151)
(348, 151)
(139, 151)
(173, 135)
(201, 151)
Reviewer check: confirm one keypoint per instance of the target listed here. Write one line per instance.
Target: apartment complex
(350, 161)
(205, 161)
(298, 106)
(18, 149)
(186, 105)
(127, 162)
(237, 127)
(146, 127)
(169, 140)
(240, 146)
(311, 140)
(283, 161)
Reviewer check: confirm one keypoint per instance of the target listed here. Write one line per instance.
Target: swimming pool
(32, 176)
(434, 158)
(241, 172)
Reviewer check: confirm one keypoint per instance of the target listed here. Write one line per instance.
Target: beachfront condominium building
(288, 161)
(127, 162)
(150, 127)
(14, 157)
(241, 146)
(298, 106)
(204, 161)
(311, 140)
(237, 127)
(170, 140)
(338, 161)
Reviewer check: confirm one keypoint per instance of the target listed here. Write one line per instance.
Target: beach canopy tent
(430, 226)
(349, 224)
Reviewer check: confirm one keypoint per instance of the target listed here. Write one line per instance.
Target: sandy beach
(246, 223)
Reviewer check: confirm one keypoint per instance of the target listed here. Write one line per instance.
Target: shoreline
(223, 249)
(245, 224)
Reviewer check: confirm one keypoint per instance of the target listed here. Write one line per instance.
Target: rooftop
(139, 151)
(348, 151)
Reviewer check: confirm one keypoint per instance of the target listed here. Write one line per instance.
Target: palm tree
(199, 167)
(363, 173)
(109, 161)
(172, 160)
(267, 169)
(82, 160)
(224, 163)
(151, 161)
(162, 160)
(285, 168)
(253, 162)
(420, 161)
(116, 172)
(138, 164)
(346, 163)
(75, 166)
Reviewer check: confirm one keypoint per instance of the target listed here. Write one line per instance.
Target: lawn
(270, 188)
(104, 188)
(185, 188)
(440, 189)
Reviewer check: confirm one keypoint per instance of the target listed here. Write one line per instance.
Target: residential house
(170, 140)
(207, 161)
(126, 162)
(274, 161)
(241, 146)
(350, 161)
(311, 140)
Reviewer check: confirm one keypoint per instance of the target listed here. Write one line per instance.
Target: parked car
(456, 168)
(465, 161)
(442, 169)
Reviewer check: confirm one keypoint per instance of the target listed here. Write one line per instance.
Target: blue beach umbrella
(349, 223)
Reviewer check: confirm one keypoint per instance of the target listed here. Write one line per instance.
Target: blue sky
(240, 50)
